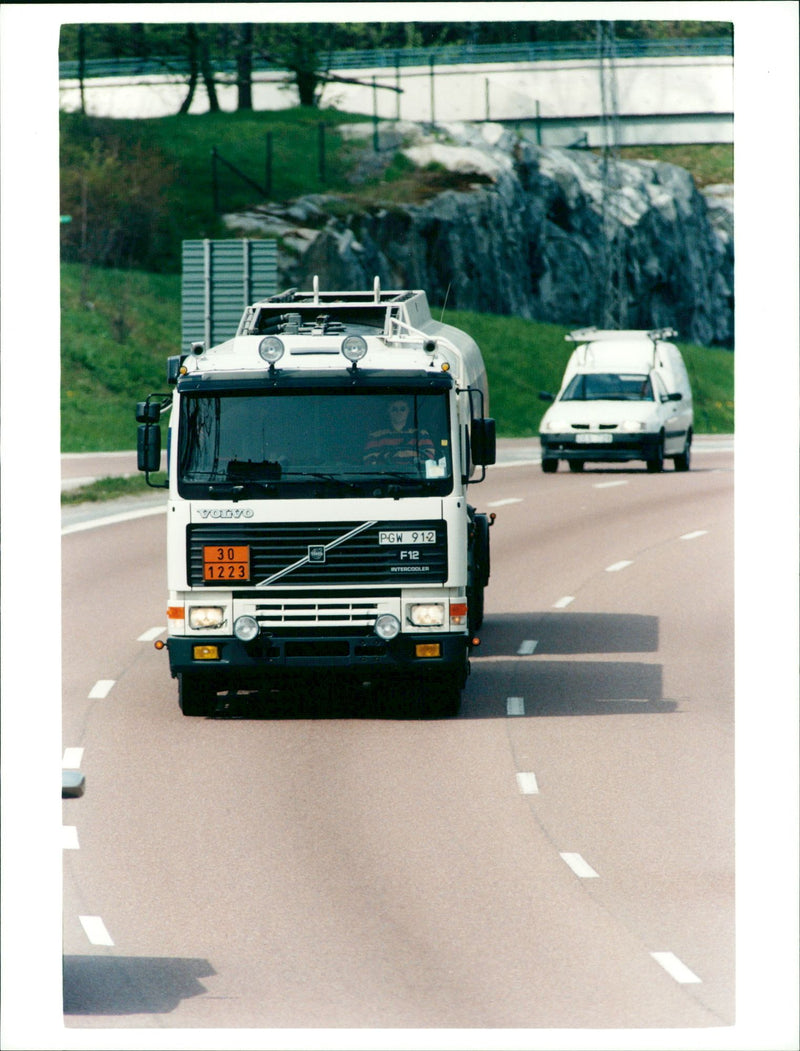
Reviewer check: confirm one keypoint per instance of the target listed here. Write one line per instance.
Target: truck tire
(196, 695)
(549, 465)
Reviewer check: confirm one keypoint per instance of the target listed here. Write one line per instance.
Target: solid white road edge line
(123, 516)
(95, 930)
(101, 689)
(675, 967)
(506, 502)
(515, 706)
(73, 757)
(579, 866)
(527, 783)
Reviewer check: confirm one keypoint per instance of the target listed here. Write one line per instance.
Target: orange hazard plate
(226, 562)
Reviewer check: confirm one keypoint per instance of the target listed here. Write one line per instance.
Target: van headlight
(206, 617)
(631, 425)
(552, 425)
(426, 615)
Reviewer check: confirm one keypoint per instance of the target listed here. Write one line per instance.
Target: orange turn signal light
(428, 649)
(176, 612)
(205, 653)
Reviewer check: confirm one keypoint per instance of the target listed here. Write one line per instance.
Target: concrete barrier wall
(664, 100)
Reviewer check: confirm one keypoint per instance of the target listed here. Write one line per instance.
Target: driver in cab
(398, 443)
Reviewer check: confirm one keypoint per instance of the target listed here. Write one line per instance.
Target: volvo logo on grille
(225, 512)
(316, 553)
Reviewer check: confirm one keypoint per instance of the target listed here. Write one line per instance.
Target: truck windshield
(609, 386)
(299, 444)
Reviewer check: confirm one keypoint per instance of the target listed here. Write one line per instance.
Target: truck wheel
(196, 695)
(656, 465)
(442, 699)
(683, 461)
(475, 608)
(549, 466)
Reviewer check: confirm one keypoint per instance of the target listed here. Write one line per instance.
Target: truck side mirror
(148, 447)
(484, 442)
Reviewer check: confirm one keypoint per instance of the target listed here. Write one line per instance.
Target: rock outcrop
(524, 235)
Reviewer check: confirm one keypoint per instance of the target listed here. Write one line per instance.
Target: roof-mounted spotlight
(354, 348)
(429, 346)
(271, 350)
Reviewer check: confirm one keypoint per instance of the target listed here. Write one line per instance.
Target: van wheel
(683, 461)
(196, 695)
(576, 466)
(549, 466)
(656, 465)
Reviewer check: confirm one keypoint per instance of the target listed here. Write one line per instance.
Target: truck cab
(625, 395)
(318, 517)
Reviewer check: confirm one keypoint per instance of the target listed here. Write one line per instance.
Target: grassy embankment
(118, 327)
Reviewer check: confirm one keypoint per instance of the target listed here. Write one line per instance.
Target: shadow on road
(123, 985)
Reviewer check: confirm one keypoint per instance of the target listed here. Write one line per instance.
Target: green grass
(108, 489)
(114, 354)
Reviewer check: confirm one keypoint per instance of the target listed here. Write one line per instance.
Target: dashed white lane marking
(95, 930)
(676, 968)
(694, 535)
(69, 838)
(617, 566)
(73, 757)
(579, 866)
(527, 647)
(515, 706)
(151, 634)
(607, 485)
(101, 689)
(528, 784)
(506, 502)
(563, 602)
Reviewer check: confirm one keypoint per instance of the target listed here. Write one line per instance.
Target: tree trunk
(191, 46)
(207, 71)
(244, 67)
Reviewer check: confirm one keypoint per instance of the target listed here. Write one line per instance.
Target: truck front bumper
(620, 447)
(228, 660)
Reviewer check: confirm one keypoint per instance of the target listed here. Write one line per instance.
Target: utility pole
(613, 299)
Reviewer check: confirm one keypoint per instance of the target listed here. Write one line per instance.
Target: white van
(625, 395)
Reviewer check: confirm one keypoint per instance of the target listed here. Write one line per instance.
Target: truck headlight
(245, 628)
(271, 349)
(354, 348)
(206, 617)
(426, 615)
(387, 626)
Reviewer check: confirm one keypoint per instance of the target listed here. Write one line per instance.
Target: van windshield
(609, 386)
(314, 444)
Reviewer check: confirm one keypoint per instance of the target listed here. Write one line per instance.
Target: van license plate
(593, 439)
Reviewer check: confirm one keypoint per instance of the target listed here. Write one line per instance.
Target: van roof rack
(594, 335)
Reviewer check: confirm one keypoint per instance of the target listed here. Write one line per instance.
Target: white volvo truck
(318, 521)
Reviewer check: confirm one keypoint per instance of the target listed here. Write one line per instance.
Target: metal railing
(391, 58)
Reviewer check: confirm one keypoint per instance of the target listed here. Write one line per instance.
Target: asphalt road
(561, 855)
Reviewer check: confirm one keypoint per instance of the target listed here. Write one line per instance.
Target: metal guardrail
(396, 58)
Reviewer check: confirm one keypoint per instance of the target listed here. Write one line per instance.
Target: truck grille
(328, 554)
